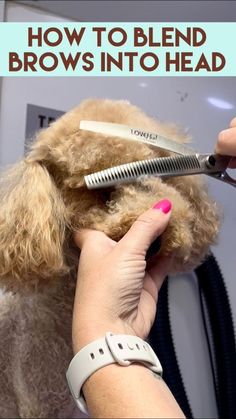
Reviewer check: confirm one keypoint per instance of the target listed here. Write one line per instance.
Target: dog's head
(44, 198)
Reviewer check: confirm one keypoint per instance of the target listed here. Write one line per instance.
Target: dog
(44, 200)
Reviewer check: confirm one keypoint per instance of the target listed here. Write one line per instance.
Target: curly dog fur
(43, 201)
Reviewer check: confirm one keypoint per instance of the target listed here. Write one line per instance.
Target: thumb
(147, 227)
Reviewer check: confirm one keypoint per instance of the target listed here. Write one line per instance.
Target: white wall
(160, 97)
(2, 5)
(2, 8)
(140, 11)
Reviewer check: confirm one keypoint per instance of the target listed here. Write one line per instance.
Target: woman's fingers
(226, 143)
(159, 267)
(233, 122)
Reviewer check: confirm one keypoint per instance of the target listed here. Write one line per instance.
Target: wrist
(86, 334)
(92, 364)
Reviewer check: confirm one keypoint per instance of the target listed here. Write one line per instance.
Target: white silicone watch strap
(121, 349)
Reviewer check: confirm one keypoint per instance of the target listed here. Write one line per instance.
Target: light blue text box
(91, 59)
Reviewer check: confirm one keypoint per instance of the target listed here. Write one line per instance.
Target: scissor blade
(136, 134)
(131, 172)
(160, 167)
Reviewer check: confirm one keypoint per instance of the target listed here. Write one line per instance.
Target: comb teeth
(165, 166)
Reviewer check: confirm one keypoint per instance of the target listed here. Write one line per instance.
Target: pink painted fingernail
(164, 205)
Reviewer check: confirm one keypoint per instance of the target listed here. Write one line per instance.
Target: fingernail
(164, 205)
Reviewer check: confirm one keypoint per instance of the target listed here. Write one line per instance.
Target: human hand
(117, 289)
(226, 143)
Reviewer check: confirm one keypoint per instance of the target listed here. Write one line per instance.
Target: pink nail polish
(164, 205)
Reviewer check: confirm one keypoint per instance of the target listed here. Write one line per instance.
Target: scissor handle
(225, 177)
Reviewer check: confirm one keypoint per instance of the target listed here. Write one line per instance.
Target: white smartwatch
(121, 349)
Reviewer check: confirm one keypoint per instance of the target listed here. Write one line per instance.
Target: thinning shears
(187, 161)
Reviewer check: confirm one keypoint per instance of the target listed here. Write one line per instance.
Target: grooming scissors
(188, 162)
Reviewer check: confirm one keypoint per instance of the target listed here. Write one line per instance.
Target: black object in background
(223, 348)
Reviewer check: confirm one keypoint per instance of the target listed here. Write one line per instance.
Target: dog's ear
(32, 224)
